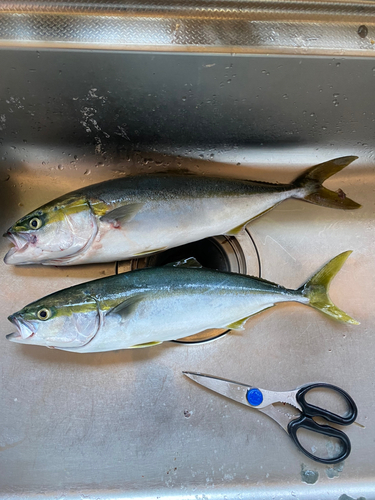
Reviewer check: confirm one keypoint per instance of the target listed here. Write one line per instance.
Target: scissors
(264, 401)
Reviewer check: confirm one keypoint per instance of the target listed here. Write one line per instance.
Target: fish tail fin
(316, 289)
(311, 181)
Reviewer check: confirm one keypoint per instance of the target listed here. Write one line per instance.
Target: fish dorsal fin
(147, 344)
(190, 262)
(127, 306)
(123, 214)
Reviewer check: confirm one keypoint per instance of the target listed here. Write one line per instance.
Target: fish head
(57, 321)
(53, 234)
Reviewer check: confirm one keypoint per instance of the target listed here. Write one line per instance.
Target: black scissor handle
(309, 424)
(315, 411)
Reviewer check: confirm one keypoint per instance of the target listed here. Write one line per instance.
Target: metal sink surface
(128, 424)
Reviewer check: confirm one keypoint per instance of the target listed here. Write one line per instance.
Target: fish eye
(35, 223)
(44, 314)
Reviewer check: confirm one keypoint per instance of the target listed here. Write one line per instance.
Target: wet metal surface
(127, 424)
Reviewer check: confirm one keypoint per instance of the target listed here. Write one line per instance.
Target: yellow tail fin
(316, 289)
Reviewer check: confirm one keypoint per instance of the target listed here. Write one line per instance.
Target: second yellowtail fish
(145, 307)
(133, 216)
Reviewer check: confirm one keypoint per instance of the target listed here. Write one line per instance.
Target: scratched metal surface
(253, 26)
(127, 424)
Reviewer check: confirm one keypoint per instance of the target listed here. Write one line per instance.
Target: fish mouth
(20, 243)
(25, 329)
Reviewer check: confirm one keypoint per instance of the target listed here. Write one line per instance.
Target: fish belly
(167, 224)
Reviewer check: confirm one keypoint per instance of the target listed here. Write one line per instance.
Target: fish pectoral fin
(147, 344)
(148, 252)
(238, 325)
(122, 214)
(189, 262)
(127, 306)
(236, 230)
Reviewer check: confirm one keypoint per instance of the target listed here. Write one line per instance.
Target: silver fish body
(133, 216)
(150, 306)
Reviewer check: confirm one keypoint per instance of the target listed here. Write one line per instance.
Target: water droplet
(87, 172)
(362, 31)
(335, 102)
(338, 65)
(285, 96)
(312, 114)
(60, 167)
(324, 127)
(184, 99)
(228, 81)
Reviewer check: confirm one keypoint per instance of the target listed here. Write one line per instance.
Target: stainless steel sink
(260, 91)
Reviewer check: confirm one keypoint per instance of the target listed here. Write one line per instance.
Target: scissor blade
(227, 388)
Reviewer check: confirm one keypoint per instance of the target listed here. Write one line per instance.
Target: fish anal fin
(127, 306)
(122, 214)
(241, 227)
(238, 325)
(146, 344)
(236, 230)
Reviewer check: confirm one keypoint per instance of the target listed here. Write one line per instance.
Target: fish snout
(25, 329)
(14, 336)
(12, 318)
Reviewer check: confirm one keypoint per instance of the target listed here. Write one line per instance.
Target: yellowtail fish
(132, 216)
(149, 306)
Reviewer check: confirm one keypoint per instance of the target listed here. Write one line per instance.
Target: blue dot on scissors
(254, 397)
